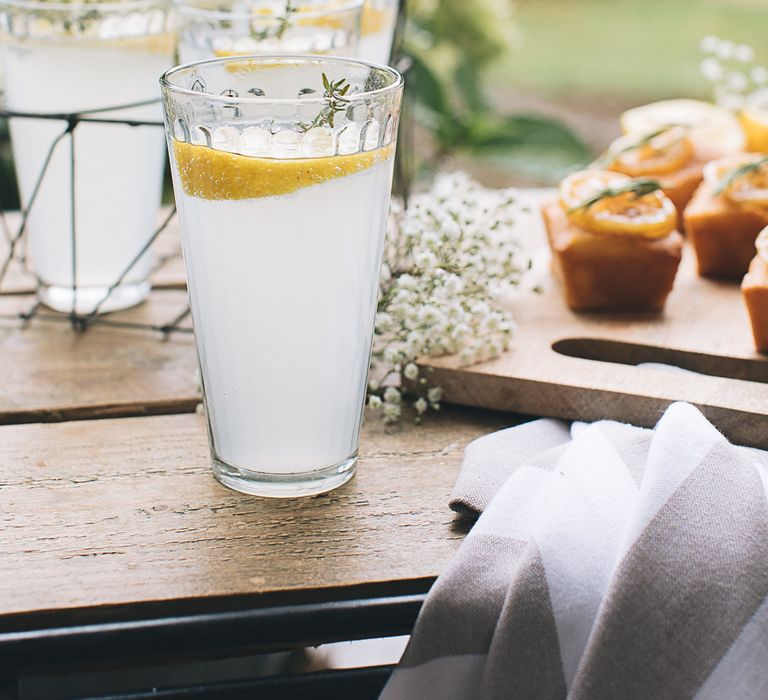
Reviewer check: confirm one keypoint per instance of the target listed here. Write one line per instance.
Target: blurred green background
(579, 63)
(635, 50)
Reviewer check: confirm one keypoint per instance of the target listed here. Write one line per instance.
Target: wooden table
(118, 547)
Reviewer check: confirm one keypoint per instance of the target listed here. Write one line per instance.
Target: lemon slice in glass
(212, 174)
(710, 127)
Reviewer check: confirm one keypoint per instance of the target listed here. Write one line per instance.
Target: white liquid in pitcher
(118, 168)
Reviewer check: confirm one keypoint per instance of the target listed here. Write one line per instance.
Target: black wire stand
(71, 121)
(14, 238)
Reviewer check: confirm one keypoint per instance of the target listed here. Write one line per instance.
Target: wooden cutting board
(584, 366)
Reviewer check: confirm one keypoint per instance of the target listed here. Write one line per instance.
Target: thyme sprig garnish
(283, 23)
(336, 101)
(736, 173)
(639, 188)
(609, 156)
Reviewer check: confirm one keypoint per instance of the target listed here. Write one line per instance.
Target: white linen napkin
(613, 562)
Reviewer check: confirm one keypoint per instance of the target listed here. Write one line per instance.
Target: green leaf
(530, 131)
(470, 88)
(426, 87)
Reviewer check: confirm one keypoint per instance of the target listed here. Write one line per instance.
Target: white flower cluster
(737, 80)
(449, 259)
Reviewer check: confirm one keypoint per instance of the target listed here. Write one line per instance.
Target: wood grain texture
(125, 512)
(53, 373)
(169, 273)
(583, 366)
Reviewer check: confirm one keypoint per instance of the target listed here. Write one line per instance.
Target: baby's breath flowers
(449, 260)
(736, 79)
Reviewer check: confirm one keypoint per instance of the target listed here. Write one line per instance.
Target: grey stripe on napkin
(615, 562)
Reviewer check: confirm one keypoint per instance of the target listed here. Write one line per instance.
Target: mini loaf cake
(754, 287)
(727, 212)
(614, 241)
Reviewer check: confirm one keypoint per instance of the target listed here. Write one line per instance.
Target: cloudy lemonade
(242, 27)
(118, 168)
(377, 30)
(283, 258)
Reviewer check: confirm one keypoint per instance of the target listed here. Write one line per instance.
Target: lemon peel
(208, 173)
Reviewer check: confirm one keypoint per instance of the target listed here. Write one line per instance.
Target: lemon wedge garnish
(734, 179)
(710, 127)
(211, 174)
(650, 215)
(656, 153)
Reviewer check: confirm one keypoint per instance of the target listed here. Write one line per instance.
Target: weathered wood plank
(101, 514)
(54, 373)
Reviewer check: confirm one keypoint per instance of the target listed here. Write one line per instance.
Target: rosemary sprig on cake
(733, 175)
(639, 188)
(609, 156)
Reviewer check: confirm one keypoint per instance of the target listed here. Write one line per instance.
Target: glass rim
(70, 7)
(189, 8)
(166, 83)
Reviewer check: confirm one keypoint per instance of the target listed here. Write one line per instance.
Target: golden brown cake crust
(617, 272)
(754, 287)
(723, 235)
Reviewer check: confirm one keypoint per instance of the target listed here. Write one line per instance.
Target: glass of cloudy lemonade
(377, 30)
(282, 169)
(83, 57)
(216, 28)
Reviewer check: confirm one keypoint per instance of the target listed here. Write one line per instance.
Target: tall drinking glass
(84, 57)
(282, 169)
(237, 27)
(377, 30)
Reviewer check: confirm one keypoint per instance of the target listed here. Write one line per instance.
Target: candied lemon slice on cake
(578, 187)
(211, 174)
(755, 124)
(741, 179)
(603, 201)
(710, 127)
(658, 152)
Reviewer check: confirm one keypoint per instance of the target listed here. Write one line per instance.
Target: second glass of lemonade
(87, 58)
(282, 169)
(377, 30)
(220, 28)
